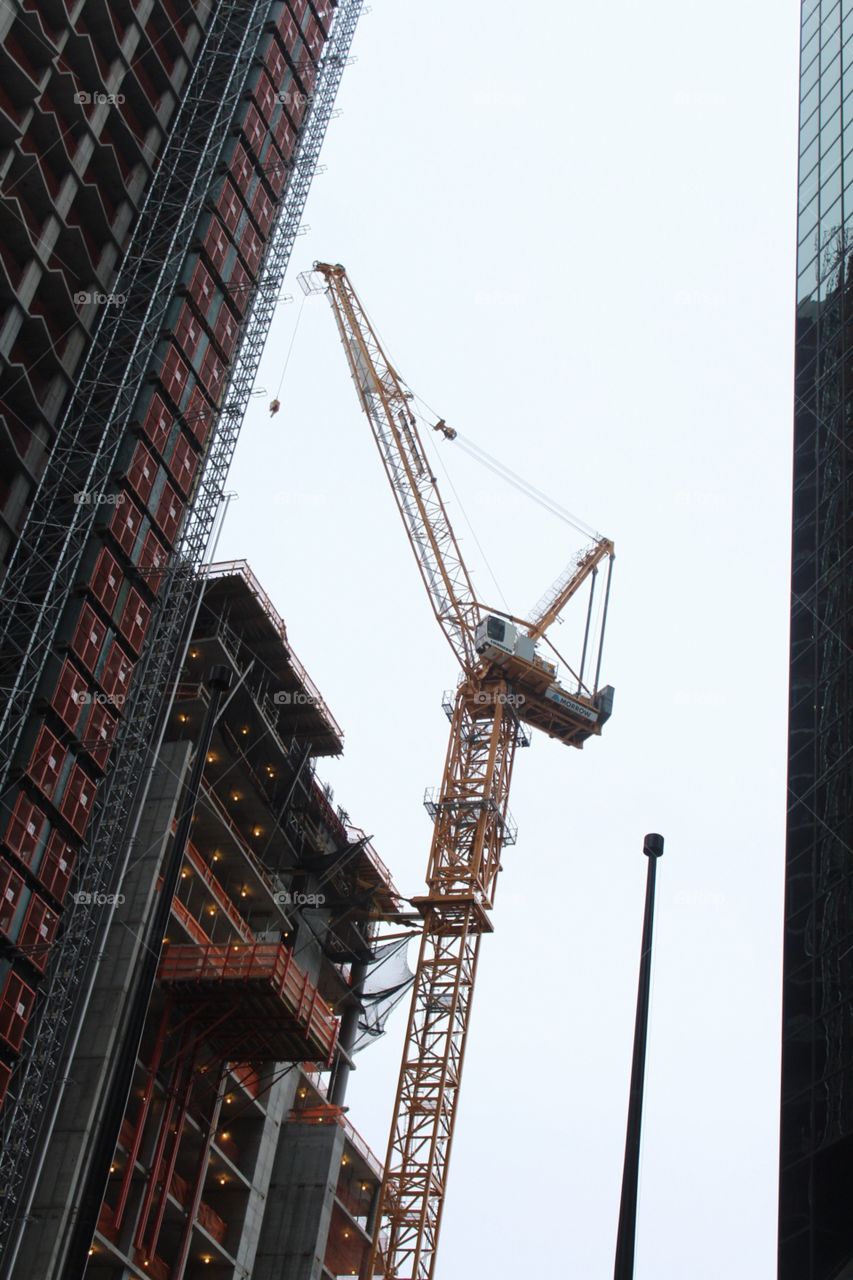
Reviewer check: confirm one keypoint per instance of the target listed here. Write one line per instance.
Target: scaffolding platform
(251, 1001)
(233, 590)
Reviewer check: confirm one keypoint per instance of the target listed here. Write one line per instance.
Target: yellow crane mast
(505, 685)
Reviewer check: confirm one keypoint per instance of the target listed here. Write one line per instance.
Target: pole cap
(653, 845)
(219, 678)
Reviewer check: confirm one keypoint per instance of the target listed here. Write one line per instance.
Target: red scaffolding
(252, 1002)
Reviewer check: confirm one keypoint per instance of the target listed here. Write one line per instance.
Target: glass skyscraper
(816, 1177)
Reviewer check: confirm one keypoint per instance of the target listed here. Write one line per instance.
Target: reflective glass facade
(816, 1181)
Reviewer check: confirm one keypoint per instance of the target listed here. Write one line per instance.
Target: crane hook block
(275, 405)
(448, 432)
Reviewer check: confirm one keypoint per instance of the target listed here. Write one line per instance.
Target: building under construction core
(156, 160)
(234, 1156)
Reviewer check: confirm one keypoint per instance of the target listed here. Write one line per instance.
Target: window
(142, 473)
(106, 580)
(134, 620)
(54, 870)
(11, 898)
(99, 734)
(174, 375)
(25, 829)
(70, 695)
(45, 763)
(158, 421)
(125, 526)
(78, 800)
(115, 677)
(88, 637)
(170, 509)
(38, 932)
(16, 1004)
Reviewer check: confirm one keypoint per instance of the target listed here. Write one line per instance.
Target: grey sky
(574, 226)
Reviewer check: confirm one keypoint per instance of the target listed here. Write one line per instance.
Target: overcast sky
(574, 226)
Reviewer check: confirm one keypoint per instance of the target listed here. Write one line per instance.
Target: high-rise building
(156, 160)
(815, 1223)
(233, 1154)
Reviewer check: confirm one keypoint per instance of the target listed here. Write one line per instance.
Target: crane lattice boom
(504, 685)
(387, 404)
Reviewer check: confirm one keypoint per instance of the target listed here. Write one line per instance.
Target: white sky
(574, 226)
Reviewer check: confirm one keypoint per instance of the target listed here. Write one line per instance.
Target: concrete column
(299, 1207)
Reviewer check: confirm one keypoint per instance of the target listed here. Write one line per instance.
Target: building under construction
(234, 1156)
(156, 160)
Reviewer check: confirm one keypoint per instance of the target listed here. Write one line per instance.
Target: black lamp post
(627, 1233)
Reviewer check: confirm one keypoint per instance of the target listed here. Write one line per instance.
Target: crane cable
(525, 487)
(512, 477)
(277, 397)
(467, 520)
(437, 452)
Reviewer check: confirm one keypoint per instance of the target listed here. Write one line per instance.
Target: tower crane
(505, 685)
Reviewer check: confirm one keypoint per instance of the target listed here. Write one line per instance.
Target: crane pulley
(504, 685)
